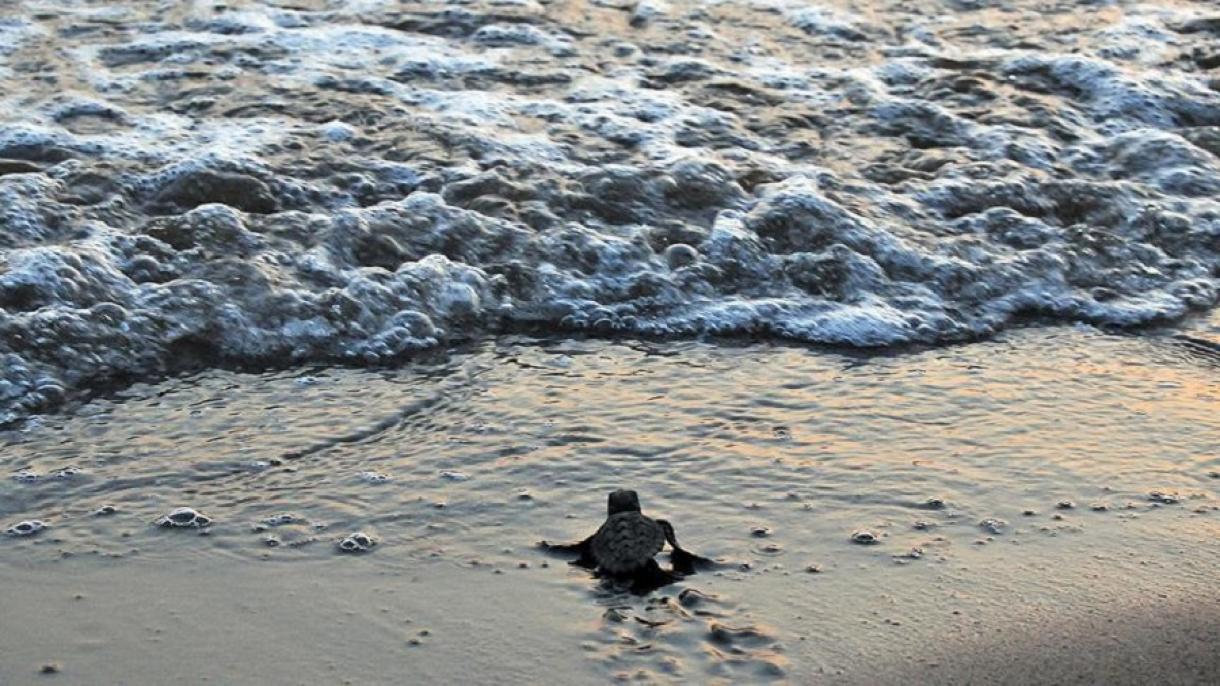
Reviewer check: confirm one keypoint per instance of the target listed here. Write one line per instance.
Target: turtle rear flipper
(651, 577)
(683, 561)
(686, 562)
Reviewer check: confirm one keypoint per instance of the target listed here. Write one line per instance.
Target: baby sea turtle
(625, 544)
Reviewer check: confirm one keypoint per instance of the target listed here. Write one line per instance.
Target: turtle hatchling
(626, 543)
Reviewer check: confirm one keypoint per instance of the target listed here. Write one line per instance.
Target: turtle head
(624, 500)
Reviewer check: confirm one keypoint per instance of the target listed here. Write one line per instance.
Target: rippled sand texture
(1051, 492)
(191, 183)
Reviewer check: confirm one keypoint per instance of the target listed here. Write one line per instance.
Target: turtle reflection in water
(624, 547)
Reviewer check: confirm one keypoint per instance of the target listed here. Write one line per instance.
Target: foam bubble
(993, 525)
(826, 22)
(865, 537)
(1164, 498)
(282, 519)
(184, 518)
(358, 542)
(337, 131)
(26, 528)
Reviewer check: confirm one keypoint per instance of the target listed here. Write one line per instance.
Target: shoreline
(1185, 329)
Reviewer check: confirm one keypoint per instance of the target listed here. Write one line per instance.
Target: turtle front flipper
(583, 550)
(683, 561)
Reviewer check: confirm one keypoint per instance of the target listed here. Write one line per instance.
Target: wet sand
(222, 622)
(1044, 506)
(191, 621)
(1158, 640)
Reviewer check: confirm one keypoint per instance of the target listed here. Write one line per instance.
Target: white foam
(14, 31)
(337, 131)
(1099, 207)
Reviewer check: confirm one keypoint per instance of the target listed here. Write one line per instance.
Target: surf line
(467, 377)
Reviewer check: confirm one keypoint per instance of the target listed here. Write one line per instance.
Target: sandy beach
(249, 623)
(1075, 540)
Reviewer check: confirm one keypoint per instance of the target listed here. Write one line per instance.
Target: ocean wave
(268, 185)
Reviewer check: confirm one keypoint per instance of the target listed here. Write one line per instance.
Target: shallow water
(189, 184)
(767, 457)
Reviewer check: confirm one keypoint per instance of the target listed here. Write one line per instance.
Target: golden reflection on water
(995, 428)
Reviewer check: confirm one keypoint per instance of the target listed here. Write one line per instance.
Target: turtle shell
(626, 542)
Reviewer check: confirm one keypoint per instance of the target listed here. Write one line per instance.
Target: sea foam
(269, 186)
